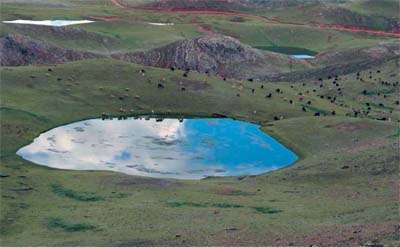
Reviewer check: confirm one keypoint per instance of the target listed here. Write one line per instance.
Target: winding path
(396, 33)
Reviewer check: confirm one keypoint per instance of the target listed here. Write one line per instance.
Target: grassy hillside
(129, 30)
(331, 193)
(387, 8)
(343, 190)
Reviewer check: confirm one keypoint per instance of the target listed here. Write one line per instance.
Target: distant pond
(164, 148)
(295, 52)
(53, 23)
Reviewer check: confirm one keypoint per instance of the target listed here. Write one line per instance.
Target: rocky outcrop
(18, 50)
(216, 55)
(212, 54)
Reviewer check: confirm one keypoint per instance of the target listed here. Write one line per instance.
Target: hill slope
(20, 50)
(216, 54)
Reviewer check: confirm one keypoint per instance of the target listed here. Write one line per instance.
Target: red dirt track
(396, 33)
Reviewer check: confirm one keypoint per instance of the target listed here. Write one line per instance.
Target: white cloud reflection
(134, 146)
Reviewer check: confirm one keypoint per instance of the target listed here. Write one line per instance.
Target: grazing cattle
(185, 74)
(172, 68)
(303, 109)
(252, 90)
(378, 71)
(142, 71)
(291, 102)
(333, 113)
(278, 90)
(262, 86)
(224, 79)
(397, 102)
(317, 114)
(160, 85)
(309, 102)
(183, 89)
(250, 79)
(276, 118)
(50, 69)
(268, 95)
(238, 95)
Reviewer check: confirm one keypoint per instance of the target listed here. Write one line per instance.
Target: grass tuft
(79, 196)
(267, 210)
(58, 223)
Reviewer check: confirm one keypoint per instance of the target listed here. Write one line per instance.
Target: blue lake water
(191, 149)
(302, 56)
(54, 23)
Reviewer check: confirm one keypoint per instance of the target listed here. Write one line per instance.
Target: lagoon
(171, 148)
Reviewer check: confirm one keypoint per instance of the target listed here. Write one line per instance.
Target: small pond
(302, 56)
(54, 23)
(171, 148)
(295, 52)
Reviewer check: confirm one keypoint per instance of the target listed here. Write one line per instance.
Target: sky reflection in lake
(192, 149)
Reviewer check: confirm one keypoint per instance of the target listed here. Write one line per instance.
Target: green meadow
(343, 189)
